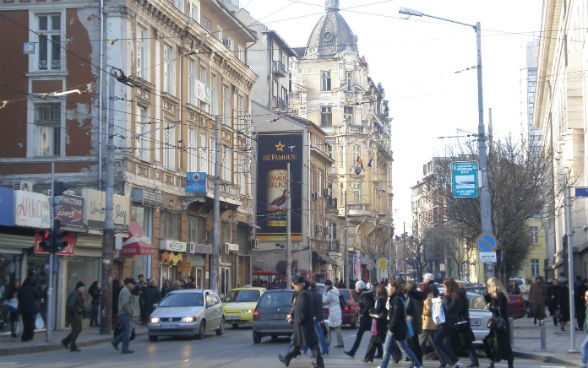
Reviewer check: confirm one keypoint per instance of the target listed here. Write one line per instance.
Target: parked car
(187, 312)
(479, 315)
(239, 305)
(269, 316)
(516, 303)
(350, 314)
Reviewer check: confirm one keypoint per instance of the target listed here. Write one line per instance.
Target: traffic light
(45, 242)
(59, 234)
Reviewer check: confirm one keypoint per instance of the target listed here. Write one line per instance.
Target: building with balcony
(155, 96)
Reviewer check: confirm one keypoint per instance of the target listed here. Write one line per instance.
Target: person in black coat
(151, 296)
(75, 312)
(379, 322)
(319, 317)
(116, 288)
(302, 318)
(497, 343)
(553, 300)
(95, 292)
(366, 303)
(414, 310)
(446, 333)
(27, 307)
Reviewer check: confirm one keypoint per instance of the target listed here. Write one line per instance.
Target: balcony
(358, 209)
(279, 69)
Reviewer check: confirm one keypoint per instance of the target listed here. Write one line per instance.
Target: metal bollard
(543, 337)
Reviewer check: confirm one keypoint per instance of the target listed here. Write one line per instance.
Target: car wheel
(201, 330)
(152, 338)
(256, 338)
(220, 329)
(235, 326)
(353, 323)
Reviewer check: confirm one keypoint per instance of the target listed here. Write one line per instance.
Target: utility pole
(108, 226)
(345, 255)
(216, 209)
(51, 286)
(289, 227)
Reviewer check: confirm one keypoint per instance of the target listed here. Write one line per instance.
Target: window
(192, 81)
(192, 150)
(169, 145)
(202, 154)
(196, 229)
(356, 192)
(179, 4)
(194, 11)
(325, 81)
(227, 164)
(326, 116)
(219, 33)
(534, 235)
(535, 268)
(169, 225)
(206, 24)
(142, 52)
(213, 94)
(47, 135)
(49, 42)
(241, 53)
(348, 115)
(142, 134)
(226, 115)
(169, 69)
(348, 80)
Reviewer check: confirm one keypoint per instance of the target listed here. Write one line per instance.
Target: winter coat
(75, 305)
(303, 314)
(28, 298)
(414, 309)
(380, 315)
(366, 303)
(453, 309)
(397, 316)
(497, 343)
(331, 300)
(428, 323)
(317, 305)
(537, 297)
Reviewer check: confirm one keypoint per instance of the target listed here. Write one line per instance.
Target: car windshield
(276, 299)
(182, 300)
(477, 302)
(242, 296)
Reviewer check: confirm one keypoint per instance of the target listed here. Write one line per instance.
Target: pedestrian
(580, 315)
(75, 312)
(553, 300)
(138, 290)
(125, 316)
(151, 296)
(166, 288)
(564, 305)
(95, 292)
(427, 337)
(331, 300)
(497, 342)
(414, 310)
(28, 307)
(464, 330)
(446, 333)
(537, 298)
(514, 288)
(319, 317)
(396, 325)
(116, 288)
(12, 297)
(302, 318)
(585, 328)
(379, 315)
(366, 303)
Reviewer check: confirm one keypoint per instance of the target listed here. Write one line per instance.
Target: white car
(479, 316)
(187, 312)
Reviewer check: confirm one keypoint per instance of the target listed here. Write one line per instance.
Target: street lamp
(485, 203)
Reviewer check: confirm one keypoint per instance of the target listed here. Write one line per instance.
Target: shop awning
(325, 258)
(137, 244)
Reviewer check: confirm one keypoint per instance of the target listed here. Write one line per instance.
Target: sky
(427, 69)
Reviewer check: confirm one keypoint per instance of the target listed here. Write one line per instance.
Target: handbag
(438, 311)
(497, 324)
(374, 329)
(39, 323)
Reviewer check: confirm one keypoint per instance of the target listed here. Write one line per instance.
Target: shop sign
(184, 267)
(95, 206)
(32, 209)
(173, 245)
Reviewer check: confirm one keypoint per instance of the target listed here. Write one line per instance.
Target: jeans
(125, 335)
(585, 352)
(444, 341)
(322, 342)
(390, 340)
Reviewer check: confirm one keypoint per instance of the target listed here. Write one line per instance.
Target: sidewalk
(527, 342)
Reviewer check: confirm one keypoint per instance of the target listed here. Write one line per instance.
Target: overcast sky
(426, 67)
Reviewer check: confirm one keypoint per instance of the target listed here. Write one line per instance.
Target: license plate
(277, 317)
(476, 323)
(231, 318)
(169, 325)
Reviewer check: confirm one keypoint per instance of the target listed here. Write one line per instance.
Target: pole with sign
(487, 247)
(464, 179)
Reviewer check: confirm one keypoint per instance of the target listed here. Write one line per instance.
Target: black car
(269, 316)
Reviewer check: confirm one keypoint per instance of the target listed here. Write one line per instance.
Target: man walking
(366, 303)
(125, 315)
(75, 313)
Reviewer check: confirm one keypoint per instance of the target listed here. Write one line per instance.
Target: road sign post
(464, 179)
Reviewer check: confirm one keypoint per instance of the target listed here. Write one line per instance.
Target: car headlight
(189, 319)
(154, 320)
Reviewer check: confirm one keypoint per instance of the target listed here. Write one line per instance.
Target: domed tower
(330, 35)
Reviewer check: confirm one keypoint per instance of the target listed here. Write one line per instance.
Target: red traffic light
(45, 241)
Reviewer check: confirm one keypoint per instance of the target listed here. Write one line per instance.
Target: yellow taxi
(240, 303)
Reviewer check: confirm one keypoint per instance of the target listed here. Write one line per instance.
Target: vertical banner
(275, 151)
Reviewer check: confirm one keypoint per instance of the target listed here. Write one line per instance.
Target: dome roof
(330, 35)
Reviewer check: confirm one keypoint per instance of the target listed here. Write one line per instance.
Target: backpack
(342, 302)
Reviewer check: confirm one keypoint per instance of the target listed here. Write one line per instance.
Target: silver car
(479, 316)
(185, 313)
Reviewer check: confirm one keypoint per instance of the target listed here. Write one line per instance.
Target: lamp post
(485, 203)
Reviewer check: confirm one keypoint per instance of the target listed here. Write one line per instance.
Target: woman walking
(446, 334)
(537, 297)
(397, 328)
(378, 330)
(95, 292)
(497, 343)
(414, 310)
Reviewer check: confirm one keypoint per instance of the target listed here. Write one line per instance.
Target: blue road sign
(486, 243)
(581, 192)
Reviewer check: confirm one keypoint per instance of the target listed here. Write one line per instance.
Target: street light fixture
(485, 203)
